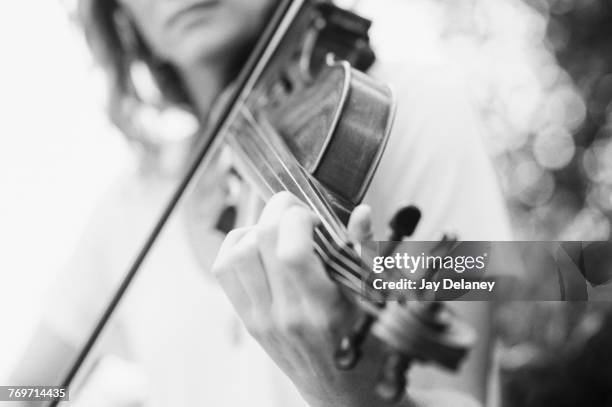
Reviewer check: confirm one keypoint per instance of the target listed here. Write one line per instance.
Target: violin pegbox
(411, 329)
(414, 331)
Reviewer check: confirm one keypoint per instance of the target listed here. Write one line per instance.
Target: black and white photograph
(306, 203)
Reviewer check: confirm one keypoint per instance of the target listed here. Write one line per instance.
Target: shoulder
(432, 99)
(435, 157)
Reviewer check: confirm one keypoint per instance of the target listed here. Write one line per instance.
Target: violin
(305, 118)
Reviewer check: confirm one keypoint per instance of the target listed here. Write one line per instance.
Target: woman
(175, 333)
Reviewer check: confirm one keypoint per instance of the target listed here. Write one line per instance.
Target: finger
(295, 270)
(295, 246)
(302, 281)
(249, 269)
(234, 290)
(278, 260)
(224, 271)
(267, 234)
(360, 224)
(253, 206)
(276, 206)
(231, 239)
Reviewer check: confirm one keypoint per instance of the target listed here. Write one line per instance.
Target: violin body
(337, 131)
(334, 119)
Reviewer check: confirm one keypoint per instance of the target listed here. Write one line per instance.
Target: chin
(200, 46)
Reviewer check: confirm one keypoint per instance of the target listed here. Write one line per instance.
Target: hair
(117, 47)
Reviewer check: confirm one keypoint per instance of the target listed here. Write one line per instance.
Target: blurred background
(539, 71)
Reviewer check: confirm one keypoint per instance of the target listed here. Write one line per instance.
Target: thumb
(360, 224)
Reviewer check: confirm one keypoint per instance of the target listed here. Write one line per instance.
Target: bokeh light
(541, 73)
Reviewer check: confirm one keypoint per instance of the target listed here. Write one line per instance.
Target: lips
(188, 12)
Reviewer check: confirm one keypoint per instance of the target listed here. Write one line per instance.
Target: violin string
(341, 274)
(262, 135)
(340, 254)
(253, 148)
(335, 257)
(262, 181)
(282, 169)
(256, 147)
(324, 212)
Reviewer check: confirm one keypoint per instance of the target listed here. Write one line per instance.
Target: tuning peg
(348, 352)
(404, 222)
(392, 382)
(402, 225)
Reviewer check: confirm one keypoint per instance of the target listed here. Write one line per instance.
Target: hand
(287, 302)
(285, 299)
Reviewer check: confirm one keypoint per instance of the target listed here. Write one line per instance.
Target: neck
(203, 84)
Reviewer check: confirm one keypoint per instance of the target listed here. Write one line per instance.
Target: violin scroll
(425, 332)
(412, 330)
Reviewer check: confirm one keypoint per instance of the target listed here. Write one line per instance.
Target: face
(186, 31)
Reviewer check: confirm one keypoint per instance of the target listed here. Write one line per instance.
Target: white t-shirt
(177, 324)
